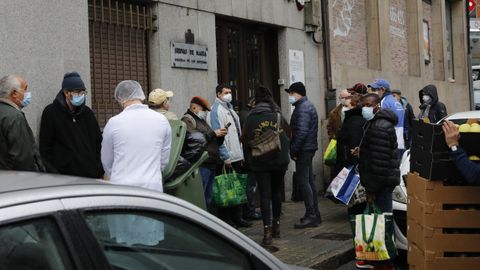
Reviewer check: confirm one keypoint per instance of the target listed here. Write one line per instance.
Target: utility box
(313, 15)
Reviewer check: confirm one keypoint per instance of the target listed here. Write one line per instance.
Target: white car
(400, 192)
(61, 222)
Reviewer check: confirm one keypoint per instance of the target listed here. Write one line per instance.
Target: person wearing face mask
(231, 151)
(195, 119)
(378, 153)
(350, 135)
(18, 150)
(136, 142)
(159, 101)
(430, 107)
(70, 138)
(303, 145)
(337, 115)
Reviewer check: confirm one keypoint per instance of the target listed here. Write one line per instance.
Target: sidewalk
(325, 247)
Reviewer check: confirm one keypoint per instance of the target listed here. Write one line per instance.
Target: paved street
(325, 247)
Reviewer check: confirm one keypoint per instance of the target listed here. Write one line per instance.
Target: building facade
(189, 46)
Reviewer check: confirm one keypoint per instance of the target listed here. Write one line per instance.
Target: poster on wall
(296, 66)
(426, 42)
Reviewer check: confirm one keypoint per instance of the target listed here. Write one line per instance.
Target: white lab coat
(136, 147)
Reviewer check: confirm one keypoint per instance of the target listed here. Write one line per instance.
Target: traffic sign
(471, 5)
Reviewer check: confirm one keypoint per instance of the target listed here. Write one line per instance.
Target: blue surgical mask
(77, 100)
(291, 100)
(27, 98)
(367, 113)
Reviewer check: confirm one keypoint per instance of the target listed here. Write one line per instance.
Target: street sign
(471, 5)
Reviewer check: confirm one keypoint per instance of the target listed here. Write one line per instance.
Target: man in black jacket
(378, 155)
(70, 138)
(303, 145)
(195, 120)
(431, 108)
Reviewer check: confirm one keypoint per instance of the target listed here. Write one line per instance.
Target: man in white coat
(136, 142)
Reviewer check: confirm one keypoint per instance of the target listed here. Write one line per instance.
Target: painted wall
(39, 45)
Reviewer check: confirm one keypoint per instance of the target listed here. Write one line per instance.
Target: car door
(145, 233)
(35, 236)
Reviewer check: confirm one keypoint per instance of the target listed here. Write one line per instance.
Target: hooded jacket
(378, 160)
(70, 142)
(391, 103)
(436, 109)
(304, 125)
(349, 137)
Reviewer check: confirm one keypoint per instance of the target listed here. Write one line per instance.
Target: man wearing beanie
(70, 138)
(303, 145)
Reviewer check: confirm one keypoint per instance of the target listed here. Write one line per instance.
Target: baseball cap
(158, 96)
(380, 83)
(397, 91)
(297, 87)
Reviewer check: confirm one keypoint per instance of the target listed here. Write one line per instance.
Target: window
(147, 241)
(34, 244)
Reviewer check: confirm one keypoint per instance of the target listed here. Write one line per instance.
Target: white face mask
(202, 115)
(292, 99)
(227, 98)
(426, 99)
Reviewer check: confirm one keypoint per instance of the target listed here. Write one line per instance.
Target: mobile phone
(228, 125)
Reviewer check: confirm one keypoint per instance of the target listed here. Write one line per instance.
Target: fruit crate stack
(443, 213)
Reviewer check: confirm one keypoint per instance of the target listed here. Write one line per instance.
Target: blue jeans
(306, 183)
(208, 176)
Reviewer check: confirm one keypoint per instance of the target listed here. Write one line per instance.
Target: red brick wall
(398, 36)
(348, 27)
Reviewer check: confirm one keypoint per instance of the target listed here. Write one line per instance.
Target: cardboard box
(440, 240)
(434, 166)
(431, 260)
(438, 192)
(428, 137)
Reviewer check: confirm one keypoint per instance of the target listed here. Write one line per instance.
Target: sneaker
(363, 265)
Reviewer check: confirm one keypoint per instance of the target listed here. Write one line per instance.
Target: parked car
(400, 192)
(60, 222)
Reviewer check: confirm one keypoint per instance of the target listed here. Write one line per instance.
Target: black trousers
(270, 187)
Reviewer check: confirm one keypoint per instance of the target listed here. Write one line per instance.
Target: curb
(336, 258)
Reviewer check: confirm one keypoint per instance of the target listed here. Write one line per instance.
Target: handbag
(229, 189)
(267, 145)
(343, 186)
(374, 235)
(330, 155)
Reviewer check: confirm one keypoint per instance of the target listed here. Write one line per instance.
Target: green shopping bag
(330, 155)
(374, 235)
(229, 189)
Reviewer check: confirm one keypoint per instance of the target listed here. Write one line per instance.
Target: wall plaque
(189, 56)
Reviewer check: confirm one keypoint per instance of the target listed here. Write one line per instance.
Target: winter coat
(334, 121)
(436, 109)
(195, 123)
(136, 147)
(70, 142)
(378, 160)
(260, 119)
(349, 137)
(18, 150)
(304, 125)
(221, 114)
(391, 103)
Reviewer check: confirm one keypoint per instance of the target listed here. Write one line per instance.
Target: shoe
(319, 218)
(363, 265)
(242, 223)
(267, 236)
(253, 216)
(276, 228)
(306, 222)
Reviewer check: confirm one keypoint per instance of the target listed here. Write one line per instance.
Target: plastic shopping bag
(330, 155)
(343, 186)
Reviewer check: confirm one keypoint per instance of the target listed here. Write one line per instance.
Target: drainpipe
(330, 95)
(469, 60)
